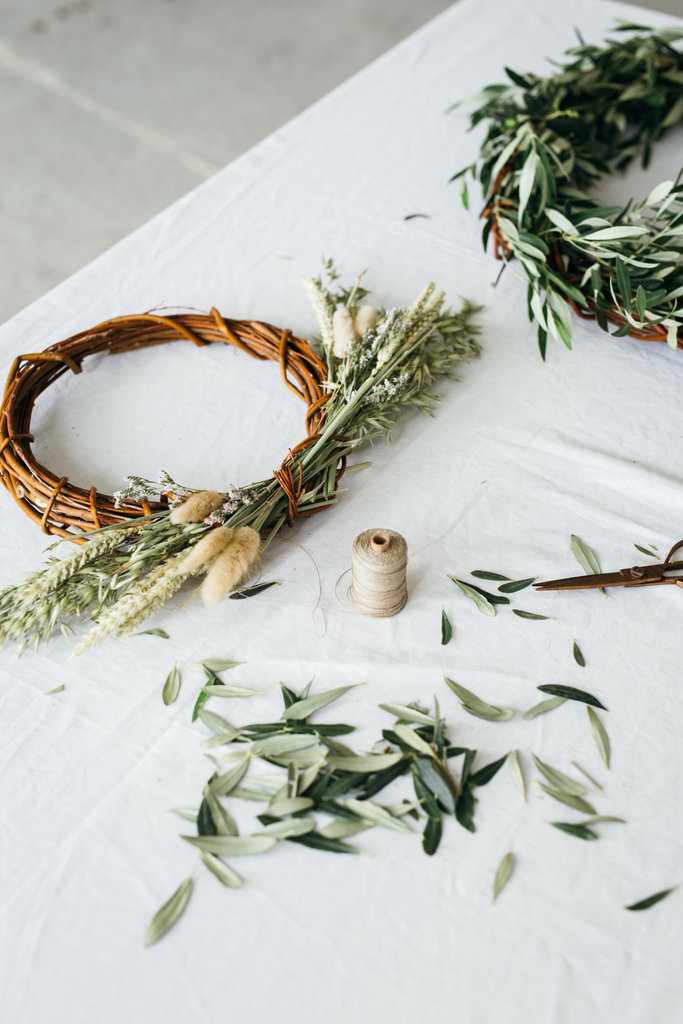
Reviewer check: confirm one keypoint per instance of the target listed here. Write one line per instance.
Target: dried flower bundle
(379, 363)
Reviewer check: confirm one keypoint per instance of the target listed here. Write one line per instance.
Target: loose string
(379, 559)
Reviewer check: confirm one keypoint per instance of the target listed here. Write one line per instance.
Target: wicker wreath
(61, 507)
(550, 140)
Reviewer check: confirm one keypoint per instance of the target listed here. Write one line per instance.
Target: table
(520, 456)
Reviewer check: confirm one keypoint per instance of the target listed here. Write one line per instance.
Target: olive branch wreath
(549, 141)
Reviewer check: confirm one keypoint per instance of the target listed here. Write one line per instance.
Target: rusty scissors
(635, 576)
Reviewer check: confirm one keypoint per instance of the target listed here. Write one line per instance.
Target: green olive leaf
(167, 915)
(223, 690)
(514, 585)
(343, 829)
(516, 772)
(543, 706)
(413, 739)
(219, 726)
(221, 870)
(287, 829)
(568, 799)
(232, 846)
(368, 811)
(214, 665)
(365, 763)
(446, 628)
(481, 602)
(651, 900)
(578, 655)
(558, 779)
(579, 831)
(503, 874)
(223, 784)
(286, 743)
(600, 736)
(408, 714)
(571, 693)
(171, 686)
(240, 595)
(301, 709)
(477, 707)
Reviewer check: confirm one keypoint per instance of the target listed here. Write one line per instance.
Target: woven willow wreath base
(65, 509)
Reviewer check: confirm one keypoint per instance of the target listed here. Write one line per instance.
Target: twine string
(379, 559)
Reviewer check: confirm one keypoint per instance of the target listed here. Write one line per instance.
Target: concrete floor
(111, 110)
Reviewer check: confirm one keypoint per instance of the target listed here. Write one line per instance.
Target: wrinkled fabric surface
(519, 456)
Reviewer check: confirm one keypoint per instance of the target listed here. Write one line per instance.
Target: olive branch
(549, 142)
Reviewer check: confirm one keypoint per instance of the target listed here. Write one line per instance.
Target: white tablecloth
(520, 456)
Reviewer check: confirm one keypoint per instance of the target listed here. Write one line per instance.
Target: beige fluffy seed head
(205, 550)
(366, 318)
(343, 331)
(198, 506)
(235, 562)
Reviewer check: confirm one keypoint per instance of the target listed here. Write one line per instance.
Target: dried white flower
(366, 319)
(343, 331)
(205, 550)
(197, 507)
(234, 562)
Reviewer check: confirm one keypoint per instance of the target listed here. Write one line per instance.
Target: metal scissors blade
(634, 576)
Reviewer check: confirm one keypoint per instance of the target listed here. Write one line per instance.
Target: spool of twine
(378, 572)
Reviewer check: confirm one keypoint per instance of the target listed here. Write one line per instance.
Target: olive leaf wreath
(549, 141)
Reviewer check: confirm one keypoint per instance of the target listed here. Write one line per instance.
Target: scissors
(635, 576)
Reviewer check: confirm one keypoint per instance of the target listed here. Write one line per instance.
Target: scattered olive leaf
(485, 774)
(481, 574)
(577, 802)
(171, 686)
(584, 556)
(368, 811)
(446, 627)
(408, 714)
(578, 655)
(167, 915)
(600, 736)
(232, 846)
(366, 763)
(154, 632)
(240, 595)
(529, 615)
(56, 689)
(580, 831)
(502, 874)
(644, 551)
(214, 665)
(514, 585)
(477, 707)
(543, 706)
(571, 693)
(221, 870)
(651, 900)
(223, 690)
(482, 603)
(303, 708)
(516, 772)
(558, 779)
